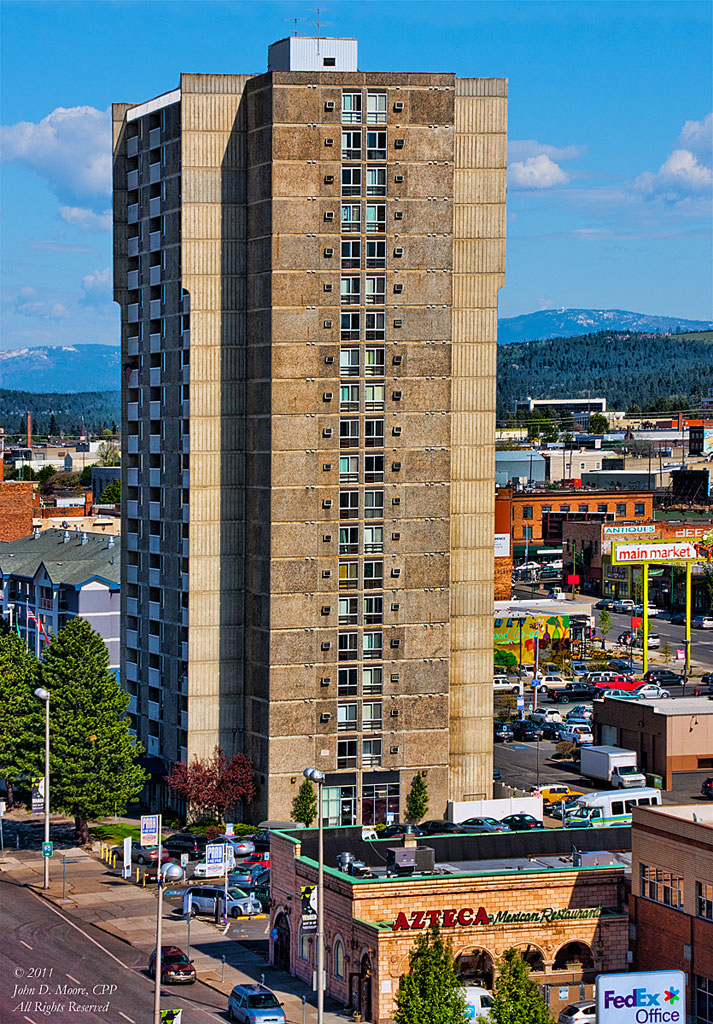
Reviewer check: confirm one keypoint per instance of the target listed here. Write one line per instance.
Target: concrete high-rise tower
(307, 263)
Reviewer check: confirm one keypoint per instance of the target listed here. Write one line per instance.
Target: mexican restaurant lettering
(466, 916)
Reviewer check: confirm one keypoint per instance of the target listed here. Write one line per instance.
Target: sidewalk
(98, 896)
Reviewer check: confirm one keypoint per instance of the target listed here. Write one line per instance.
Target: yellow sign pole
(645, 639)
(688, 621)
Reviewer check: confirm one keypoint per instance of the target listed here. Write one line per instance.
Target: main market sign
(467, 916)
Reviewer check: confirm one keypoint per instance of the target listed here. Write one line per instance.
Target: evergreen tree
(516, 999)
(53, 425)
(92, 754)
(417, 800)
(21, 714)
(431, 992)
(304, 806)
(111, 494)
(605, 624)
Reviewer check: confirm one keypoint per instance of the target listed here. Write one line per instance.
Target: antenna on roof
(318, 23)
(295, 21)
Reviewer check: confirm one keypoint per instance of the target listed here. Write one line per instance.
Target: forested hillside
(628, 369)
(59, 413)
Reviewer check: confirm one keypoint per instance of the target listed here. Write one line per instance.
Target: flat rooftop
(701, 814)
(679, 706)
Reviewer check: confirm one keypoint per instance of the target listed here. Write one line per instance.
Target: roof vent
(36, 532)
(65, 537)
(84, 538)
(111, 541)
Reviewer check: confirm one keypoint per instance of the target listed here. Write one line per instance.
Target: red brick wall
(15, 509)
(557, 498)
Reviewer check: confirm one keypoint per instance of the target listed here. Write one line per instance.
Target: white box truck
(612, 764)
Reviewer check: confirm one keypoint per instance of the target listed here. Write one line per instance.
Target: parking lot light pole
(43, 694)
(315, 775)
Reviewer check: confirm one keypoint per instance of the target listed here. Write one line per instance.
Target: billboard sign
(515, 636)
(502, 545)
(619, 531)
(38, 796)
(149, 829)
(214, 857)
(659, 551)
(308, 903)
(641, 997)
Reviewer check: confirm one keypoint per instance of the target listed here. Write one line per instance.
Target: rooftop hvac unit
(410, 860)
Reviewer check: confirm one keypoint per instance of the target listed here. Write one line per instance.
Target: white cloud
(87, 219)
(522, 149)
(28, 302)
(537, 172)
(679, 176)
(697, 138)
(96, 287)
(70, 149)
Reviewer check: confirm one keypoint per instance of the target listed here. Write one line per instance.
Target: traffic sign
(214, 857)
(520, 703)
(149, 829)
(47, 849)
(184, 860)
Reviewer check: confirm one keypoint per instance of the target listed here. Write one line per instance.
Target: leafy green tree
(666, 653)
(85, 477)
(111, 495)
(21, 714)
(605, 624)
(431, 991)
(516, 997)
(304, 806)
(108, 454)
(598, 423)
(417, 800)
(92, 753)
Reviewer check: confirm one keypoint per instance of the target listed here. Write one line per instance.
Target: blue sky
(609, 200)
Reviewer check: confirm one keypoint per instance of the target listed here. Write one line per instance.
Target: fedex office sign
(645, 997)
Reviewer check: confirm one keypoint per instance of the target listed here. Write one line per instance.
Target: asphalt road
(53, 968)
(701, 639)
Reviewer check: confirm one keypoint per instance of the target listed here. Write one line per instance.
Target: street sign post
(149, 829)
(47, 849)
(214, 857)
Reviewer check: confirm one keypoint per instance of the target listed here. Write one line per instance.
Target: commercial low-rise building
(672, 898)
(559, 897)
(669, 736)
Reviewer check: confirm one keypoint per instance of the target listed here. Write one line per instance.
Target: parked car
(441, 828)
(579, 667)
(573, 691)
(552, 796)
(522, 729)
(546, 683)
(653, 611)
(627, 638)
(580, 734)
(707, 789)
(678, 619)
(148, 854)
(175, 966)
(505, 684)
(245, 875)
(151, 872)
(707, 679)
(241, 847)
(261, 893)
(203, 899)
(253, 1004)
(579, 1013)
(624, 607)
(580, 711)
(484, 825)
(653, 641)
(502, 733)
(398, 831)
(620, 694)
(260, 840)
(651, 691)
(620, 664)
(702, 621)
(552, 730)
(605, 603)
(662, 677)
(186, 842)
(496, 774)
(522, 822)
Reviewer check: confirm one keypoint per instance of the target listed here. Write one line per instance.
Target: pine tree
(431, 991)
(516, 999)
(417, 800)
(304, 806)
(92, 754)
(111, 494)
(21, 714)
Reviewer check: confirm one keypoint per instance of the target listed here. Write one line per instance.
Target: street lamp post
(43, 694)
(315, 775)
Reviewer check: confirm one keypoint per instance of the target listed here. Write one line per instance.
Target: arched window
(338, 958)
(532, 956)
(573, 956)
(303, 945)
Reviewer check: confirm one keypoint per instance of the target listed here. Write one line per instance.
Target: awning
(549, 551)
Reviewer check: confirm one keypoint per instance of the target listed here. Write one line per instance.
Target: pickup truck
(573, 692)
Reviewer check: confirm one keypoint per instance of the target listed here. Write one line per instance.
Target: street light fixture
(43, 694)
(315, 775)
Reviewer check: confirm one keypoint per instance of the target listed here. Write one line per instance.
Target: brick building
(527, 525)
(570, 920)
(672, 898)
(16, 505)
(307, 263)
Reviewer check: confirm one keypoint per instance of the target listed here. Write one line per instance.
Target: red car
(175, 966)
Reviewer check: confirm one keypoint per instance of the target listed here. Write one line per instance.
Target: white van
(477, 1002)
(610, 808)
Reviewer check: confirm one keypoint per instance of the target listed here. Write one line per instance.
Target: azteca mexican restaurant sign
(657, 551)
(467, 916)
(642, 997)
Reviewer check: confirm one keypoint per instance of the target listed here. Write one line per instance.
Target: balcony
(155, 207)
(185, 548)
(155, 274)
(155, 410)
(183, 754)
(154, 173)
(132, 279)
(155, 376)
(132, 477)
(184, 616)
(153, 745)
(132, 606)
(132, 180)
(184, 651)
(132, 509)
(133, 444)
(154, 711)
(132, 245)
(154, 342)
(132, 146)
(185, 444)
(155, 578)
(154, 478)
(154, 643)
(132, 411)
(132, 542)
(132, 346)
(184, 582)
(154, 138)
(184, 720)
(133, 706)
(132, 574)
(132, 379)
(154, 677)
(132, 639)
(132, 312)
(185, 409)
(154, 544)
(154, 241)
(132, 213)
(185, 478)
(155, 444)
(154, 510)
(131, 671)
(186, 514)
(186, 375)
(184, 684)
(155, 307)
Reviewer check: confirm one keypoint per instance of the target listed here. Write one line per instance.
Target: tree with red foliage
(213, 784)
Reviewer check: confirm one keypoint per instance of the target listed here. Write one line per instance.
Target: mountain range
(98, 367)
